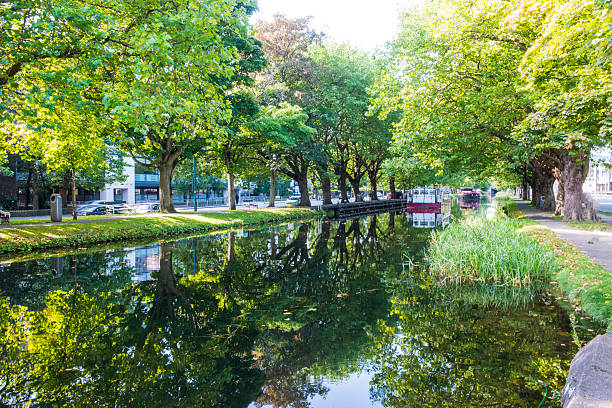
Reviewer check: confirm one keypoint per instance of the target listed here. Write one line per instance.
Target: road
(604, 202)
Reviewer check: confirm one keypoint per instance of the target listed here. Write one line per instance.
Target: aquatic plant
(481, 250)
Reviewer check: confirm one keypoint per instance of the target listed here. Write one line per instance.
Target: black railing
(345, 210)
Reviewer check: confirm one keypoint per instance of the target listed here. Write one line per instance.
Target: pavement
(595, 244)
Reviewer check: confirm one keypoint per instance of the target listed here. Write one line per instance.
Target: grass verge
(66, 218)
(590, 226)
(17, 240)
(605, 212)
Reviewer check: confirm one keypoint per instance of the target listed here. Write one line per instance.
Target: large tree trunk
(166, 204)
(542, 186)
(355, 187)
(302, 181)
(575, 169)
(231, 193)
(525, 191)
(74, 196)
(547, 191)
(373, 177)
(326, 187)
(392, 186)
(560, 198)
(272, 188)
(342, 188)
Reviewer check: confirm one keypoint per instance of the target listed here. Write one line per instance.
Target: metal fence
(222, 201)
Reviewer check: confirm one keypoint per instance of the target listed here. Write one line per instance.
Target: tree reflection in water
(266, 318)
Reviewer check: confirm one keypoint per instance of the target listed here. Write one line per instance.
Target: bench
(5, 217)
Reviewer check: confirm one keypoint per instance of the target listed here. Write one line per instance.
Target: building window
(147, 194)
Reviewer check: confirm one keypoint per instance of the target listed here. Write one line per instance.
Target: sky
(366, 24)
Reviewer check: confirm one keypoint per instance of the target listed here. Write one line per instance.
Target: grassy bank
(590, 226)
(587, 284)
(18, 240)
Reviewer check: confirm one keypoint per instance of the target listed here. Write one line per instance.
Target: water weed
(481, 250)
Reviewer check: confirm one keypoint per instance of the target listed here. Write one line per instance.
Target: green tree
(572, 115)
(290, 145)
(340, 102)
(77, 147)
(232, 148)
(170, 77)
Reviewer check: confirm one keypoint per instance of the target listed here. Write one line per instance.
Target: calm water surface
(322, 314)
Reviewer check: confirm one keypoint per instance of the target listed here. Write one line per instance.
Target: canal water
(318, 314)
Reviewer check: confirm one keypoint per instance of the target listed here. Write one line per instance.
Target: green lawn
(16, 240)
(585, 225)
(65, 218)
(590, 226)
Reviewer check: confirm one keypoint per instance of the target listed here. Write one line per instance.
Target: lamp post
(195, 198)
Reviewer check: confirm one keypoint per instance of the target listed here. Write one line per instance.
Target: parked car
(95, 209)
(101, 202)
(398, 195)
(146, 208)
(123, 208)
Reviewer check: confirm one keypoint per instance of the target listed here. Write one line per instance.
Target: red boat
(429, 200)
(469, 193)
(468, 198)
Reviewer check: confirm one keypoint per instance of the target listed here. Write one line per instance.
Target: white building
(122, 191)
(599, 179)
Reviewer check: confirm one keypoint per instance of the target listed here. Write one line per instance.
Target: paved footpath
(595, 244)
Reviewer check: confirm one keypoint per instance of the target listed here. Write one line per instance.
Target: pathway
(595, 244)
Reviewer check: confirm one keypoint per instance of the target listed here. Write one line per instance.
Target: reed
(481, 250)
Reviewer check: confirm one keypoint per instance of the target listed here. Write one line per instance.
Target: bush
(7, 203)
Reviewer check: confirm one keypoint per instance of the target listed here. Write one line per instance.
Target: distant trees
(329, 82)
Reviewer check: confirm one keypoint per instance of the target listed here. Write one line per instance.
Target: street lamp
(195, 198)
